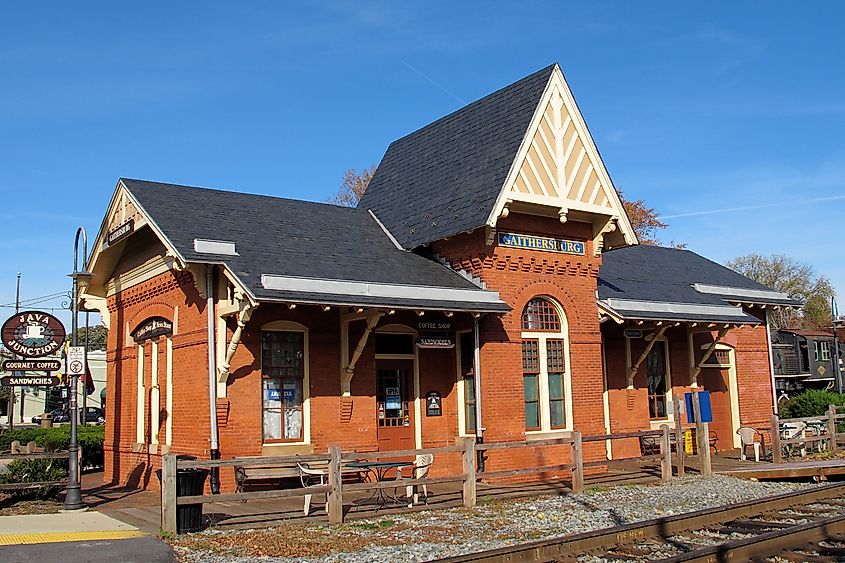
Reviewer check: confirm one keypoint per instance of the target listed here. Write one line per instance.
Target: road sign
(32, 365)
(76, 360)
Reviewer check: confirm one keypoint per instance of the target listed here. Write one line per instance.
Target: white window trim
(141, 398)
(290, 326)
(656, 423)
(461, 394)
(543, 376)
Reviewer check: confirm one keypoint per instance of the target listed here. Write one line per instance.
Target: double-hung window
(282, 376)
(545, 375)
(822, 351)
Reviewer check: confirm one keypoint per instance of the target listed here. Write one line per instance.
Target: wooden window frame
(305, 434)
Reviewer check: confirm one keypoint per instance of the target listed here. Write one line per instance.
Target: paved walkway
(62, 527)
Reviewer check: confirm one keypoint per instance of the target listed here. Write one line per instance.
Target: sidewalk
(77, 537)
(63, 527)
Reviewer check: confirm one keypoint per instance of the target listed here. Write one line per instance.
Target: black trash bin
(189, 482)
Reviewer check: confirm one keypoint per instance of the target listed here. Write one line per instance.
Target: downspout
(771, 362)
(212, 378)
(479, 428)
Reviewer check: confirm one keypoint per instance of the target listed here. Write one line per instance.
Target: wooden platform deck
(142, 508)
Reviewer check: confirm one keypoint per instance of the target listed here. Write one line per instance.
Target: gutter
(212, 379)
(479, 428)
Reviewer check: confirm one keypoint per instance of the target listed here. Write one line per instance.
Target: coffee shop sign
(33, 334)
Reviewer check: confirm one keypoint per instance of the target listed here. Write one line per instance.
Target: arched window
(545, 366)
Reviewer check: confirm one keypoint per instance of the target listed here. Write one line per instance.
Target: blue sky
(697, 108)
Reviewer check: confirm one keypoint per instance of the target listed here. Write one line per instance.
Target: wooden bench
(289, 474)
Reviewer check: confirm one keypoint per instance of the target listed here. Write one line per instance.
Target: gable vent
(215, 247)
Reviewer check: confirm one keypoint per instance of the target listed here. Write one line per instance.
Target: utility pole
(10, 408)
(834, 316)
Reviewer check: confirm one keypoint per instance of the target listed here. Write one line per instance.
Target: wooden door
(395, 404)
(716, 380)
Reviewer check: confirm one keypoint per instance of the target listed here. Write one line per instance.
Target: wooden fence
(335, 488)
(30, 451)
(828, 432)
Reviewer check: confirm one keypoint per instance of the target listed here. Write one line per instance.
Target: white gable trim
(557, 82)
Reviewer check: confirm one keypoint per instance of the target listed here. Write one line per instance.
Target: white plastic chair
(746, 436)
(419, 470)
(794, 431)
(309, 476)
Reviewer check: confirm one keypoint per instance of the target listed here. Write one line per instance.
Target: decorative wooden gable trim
(559, 170)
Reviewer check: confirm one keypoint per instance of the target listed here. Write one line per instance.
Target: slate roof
(296, 238)
(645, 273)
(445, 178)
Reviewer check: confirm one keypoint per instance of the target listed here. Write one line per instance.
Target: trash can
(46, 420)
(189, 482)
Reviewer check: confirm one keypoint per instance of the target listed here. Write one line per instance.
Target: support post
(578, 461)
(168, 493)
(831, 428)
(335, 502)
(679, 435)
(666, 450)
(702, 433)
(774, 431)
(468, 463)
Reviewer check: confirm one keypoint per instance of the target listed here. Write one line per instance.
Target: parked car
(92, 414)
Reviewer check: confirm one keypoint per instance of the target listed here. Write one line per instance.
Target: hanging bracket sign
(30, 380)
(33, 334)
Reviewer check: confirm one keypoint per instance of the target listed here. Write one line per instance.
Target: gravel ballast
(426, 535)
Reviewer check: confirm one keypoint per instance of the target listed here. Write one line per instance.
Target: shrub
(35, 471)
(812, 402)
(89, 438)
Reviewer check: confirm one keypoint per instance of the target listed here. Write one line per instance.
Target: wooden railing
(664, 458)
(336, 459)
(30, 451)
(830, 435)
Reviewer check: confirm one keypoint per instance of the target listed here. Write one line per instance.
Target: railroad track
(803, 526)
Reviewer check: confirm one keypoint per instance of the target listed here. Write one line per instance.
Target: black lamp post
(73, 498)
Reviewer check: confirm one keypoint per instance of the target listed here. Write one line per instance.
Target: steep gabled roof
(299, 251)
(446, 177)
(653, 282)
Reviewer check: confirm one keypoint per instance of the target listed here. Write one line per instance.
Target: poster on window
(393, 402)
(273, 395)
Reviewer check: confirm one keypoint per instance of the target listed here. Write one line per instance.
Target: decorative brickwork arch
(571, 310)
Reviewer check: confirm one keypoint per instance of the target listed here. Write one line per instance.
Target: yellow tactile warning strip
(53, 537)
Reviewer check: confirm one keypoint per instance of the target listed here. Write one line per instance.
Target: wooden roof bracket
(245, 309)
(693, 377)
(348, 372)
(632, 370)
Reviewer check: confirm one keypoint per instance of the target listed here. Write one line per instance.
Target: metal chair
(309, 476)
(419, 470)
(747, 437)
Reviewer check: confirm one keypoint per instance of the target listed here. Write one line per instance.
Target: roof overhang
(293, 289)
(752, 296)
(622, 310)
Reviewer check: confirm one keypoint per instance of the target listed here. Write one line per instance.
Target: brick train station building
(488, 284)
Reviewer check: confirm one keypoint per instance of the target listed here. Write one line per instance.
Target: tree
(798, 280)
(97, 336)
(646, 222)
(353, 186)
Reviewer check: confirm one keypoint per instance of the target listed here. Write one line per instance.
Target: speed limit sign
(76, 360)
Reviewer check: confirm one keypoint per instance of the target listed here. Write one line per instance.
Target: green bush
(89, 438)
(35, 471)
(812, 402)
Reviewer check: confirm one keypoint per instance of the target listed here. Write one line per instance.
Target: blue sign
(393, 402)
(544, 244)
(704, 405)
(273, 395)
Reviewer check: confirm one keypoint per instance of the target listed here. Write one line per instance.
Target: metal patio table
(379, 471)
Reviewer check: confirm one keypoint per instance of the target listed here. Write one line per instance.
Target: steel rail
(568, 546)
(765, 545)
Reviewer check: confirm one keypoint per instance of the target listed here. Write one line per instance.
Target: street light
(73, 498)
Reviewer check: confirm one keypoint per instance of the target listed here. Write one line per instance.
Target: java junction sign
(33, 334)
(30, 380)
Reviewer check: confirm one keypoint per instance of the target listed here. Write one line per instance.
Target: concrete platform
(820, 469)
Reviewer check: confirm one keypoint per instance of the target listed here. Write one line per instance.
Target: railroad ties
(804, 526)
